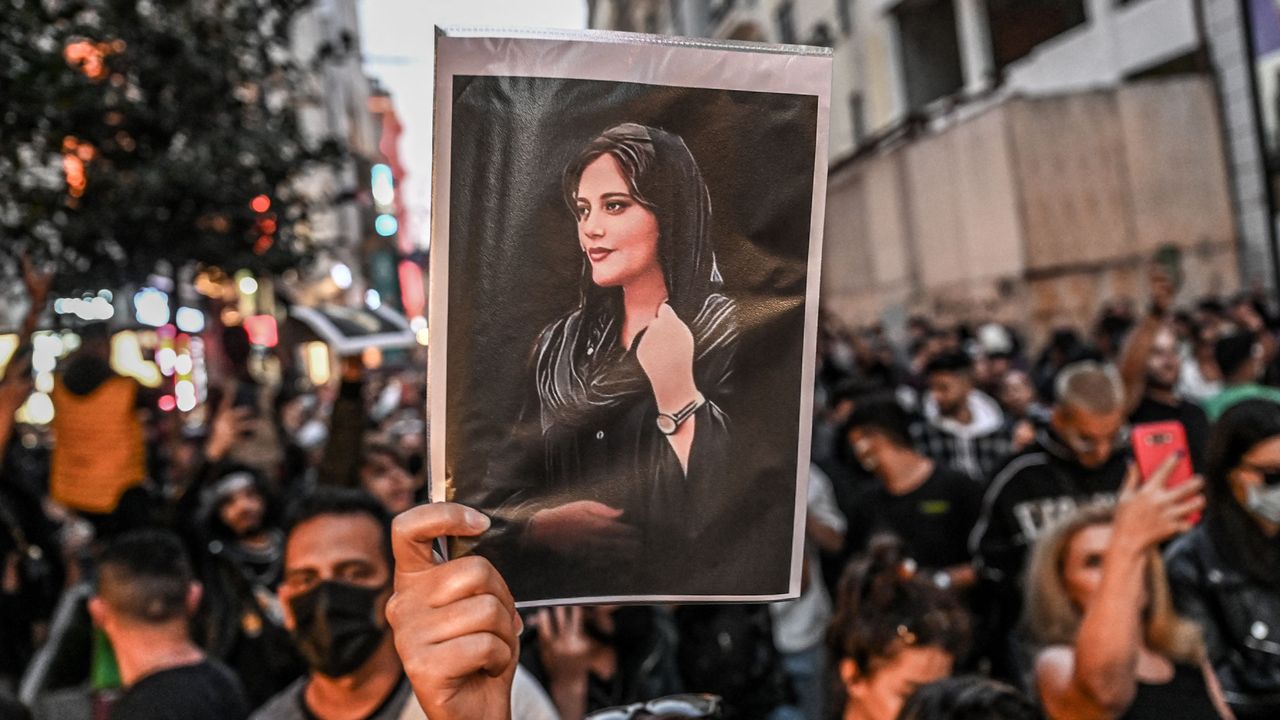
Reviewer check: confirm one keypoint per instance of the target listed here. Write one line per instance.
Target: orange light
(267, 226)
(261, 204)
(262, 245)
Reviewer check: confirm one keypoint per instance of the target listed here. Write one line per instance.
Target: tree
(140, 131)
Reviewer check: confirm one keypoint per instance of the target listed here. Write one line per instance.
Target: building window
(719, 10)
(930, 51)
(785, 16)
(844, 12)
(822, 36)
(1018, 26)
(857, 116)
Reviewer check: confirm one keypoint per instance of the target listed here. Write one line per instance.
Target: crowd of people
(979, 544)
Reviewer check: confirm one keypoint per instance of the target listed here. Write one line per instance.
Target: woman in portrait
(622, 440)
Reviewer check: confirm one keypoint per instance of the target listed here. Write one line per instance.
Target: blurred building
(335, 103)
(1023, 159)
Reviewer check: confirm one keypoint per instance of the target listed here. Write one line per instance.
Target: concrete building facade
(1022, 159)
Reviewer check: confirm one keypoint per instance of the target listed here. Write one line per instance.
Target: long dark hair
(663, 177)
(1234, 532)
(883, 606)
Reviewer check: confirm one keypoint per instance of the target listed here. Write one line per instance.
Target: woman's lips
(598, 254)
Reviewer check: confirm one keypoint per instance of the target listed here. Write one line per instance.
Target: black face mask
(335, 629)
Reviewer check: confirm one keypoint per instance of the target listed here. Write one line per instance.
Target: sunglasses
(681, 706)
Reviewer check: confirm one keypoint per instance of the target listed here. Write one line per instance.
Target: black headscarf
(1233, 530)
(579, 363)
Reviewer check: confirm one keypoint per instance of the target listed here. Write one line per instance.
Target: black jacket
(1240, 619)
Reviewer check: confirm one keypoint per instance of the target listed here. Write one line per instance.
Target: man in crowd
(1080, 458)
(931, 507)
(240, 553)
(1242, 358)
(963, 428)
(1151, 367)
(146, 596)
(100, 457)
(337, 584)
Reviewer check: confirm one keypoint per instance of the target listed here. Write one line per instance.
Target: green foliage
(182, 111)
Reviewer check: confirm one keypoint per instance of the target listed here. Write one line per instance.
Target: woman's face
(618, 235)
(1250, 477)
(1082, 564)
(881, 695)
(391, 484)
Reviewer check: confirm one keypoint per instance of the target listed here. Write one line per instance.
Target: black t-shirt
(1193, 420)
(204, 691)
(933, 521)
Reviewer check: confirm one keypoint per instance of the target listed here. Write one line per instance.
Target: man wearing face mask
(337, 581)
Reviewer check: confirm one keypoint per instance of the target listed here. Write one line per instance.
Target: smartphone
(1153, 443)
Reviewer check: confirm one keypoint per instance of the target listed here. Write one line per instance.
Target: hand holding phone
(1154, 443)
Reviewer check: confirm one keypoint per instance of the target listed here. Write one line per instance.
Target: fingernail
(477, 519)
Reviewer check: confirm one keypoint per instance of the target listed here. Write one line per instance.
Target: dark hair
(1233, 351)
(146, 575)
(969, 697)
(1239, 430)
(96, 331)
(663, 176)
(237, 346)
(950, 362)
(881, 413)
(1231, 528)
(341, 501)
(883, 605)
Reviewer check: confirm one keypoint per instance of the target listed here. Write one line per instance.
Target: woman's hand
(565, 651)
(455, 623)
(583, 527)
(1148, 513)
(666, 355)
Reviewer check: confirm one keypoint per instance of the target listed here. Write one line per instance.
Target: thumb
(605, 511)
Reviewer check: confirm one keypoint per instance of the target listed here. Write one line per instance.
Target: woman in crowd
(1225, 574)
(1109, 642)
(893, 631)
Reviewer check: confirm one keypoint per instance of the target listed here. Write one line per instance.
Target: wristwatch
(668, 424)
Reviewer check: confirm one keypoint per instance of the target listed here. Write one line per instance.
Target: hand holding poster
(626, 233)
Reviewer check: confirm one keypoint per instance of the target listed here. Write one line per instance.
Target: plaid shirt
(979, 457)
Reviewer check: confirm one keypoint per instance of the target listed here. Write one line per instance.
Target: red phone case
(1153, 443)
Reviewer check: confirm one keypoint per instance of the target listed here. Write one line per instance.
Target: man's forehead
(328, 540)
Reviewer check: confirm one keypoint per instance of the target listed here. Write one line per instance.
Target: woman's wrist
(673, 399)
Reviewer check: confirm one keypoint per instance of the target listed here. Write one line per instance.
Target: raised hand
(1148, 513)
(455, 623)
(666, 355)
(565, 651)
(583, 527)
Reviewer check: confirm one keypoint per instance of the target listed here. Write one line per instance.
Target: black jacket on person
(1037, 488)
(1240, 618)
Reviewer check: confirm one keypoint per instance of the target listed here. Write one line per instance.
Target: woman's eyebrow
(609, 195)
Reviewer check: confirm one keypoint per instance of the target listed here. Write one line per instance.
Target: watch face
(666, 424)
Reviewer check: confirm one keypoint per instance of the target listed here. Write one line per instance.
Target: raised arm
(1097, 677)
(1137, 348)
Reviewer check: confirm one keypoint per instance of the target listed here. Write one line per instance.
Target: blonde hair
(1053, 619)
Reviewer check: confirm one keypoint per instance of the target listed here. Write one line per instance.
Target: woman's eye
(615, 206)
(582, 213)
